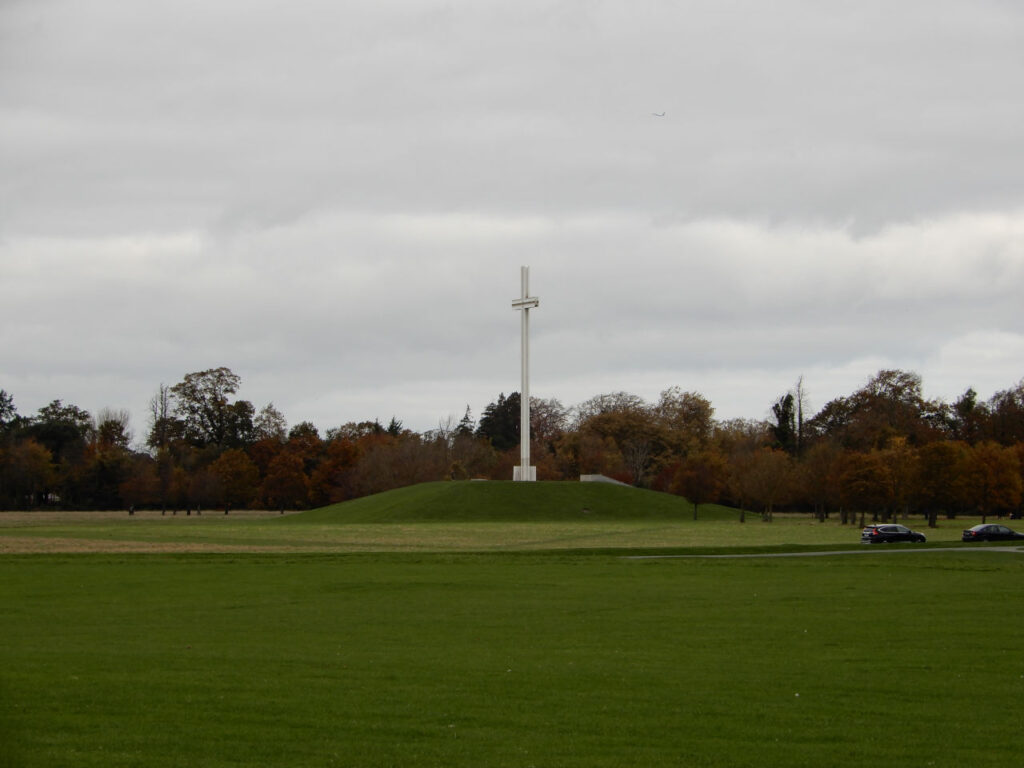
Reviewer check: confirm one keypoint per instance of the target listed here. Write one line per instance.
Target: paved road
(868, 549)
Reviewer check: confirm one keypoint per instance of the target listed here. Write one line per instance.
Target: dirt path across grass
(867, 551)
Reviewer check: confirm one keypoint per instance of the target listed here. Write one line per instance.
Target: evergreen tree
(500, 422)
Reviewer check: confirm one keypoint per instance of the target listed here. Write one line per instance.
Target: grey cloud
(335, 200)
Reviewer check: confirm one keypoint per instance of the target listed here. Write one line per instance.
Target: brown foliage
(764, 476)
(992, 478)
(701, 477)
(26, 473)
(236, 479)
(286, 485)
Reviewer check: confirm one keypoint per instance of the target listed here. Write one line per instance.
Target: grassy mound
(472, 501)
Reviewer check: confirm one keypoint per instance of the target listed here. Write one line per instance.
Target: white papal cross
(526, 302)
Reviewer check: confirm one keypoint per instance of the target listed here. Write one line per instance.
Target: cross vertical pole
(524, 391)
(525, 303)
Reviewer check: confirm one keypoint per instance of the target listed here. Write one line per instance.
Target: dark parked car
(887, 532)
(991, 532)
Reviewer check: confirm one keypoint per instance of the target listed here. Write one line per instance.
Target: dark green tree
(466, 426)
(9, 414)
(202, 402)
(968, 417)
(241, 429)
(500, 422)
(784, 429)
(61, 429)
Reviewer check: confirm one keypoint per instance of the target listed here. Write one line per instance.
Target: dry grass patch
(30, 545)
(71, 517)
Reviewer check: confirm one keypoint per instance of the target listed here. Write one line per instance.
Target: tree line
(883, 451)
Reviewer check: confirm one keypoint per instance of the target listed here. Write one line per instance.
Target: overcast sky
(333, 199)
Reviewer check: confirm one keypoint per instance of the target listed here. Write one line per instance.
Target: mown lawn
(217, 533)
(510, 659)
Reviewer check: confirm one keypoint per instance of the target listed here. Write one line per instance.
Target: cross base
(517, 474)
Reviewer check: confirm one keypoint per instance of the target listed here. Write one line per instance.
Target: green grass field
(448, 517)
(554, 655)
